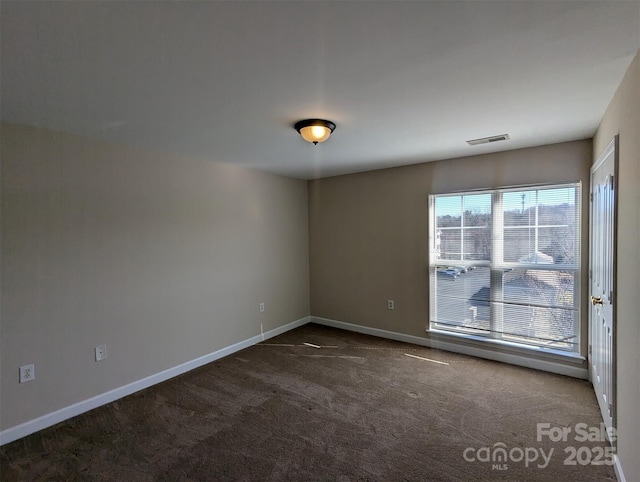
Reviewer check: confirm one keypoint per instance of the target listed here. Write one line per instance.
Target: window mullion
(536, 247)
(461, 228)
(496, 290)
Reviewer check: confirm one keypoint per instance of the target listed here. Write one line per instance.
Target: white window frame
(497, 267)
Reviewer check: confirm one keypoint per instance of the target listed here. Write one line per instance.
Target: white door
(602, 282)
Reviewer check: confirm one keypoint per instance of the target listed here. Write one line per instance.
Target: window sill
(509, 346)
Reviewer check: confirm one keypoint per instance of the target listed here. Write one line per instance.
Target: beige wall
(162, 259)
(368, 231)
(623, 117)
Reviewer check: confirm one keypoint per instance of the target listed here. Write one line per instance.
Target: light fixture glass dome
(315, 130)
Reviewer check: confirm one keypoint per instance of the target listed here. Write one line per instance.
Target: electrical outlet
(27, 373)
(261, 307)
(391, 305)
(101, 352)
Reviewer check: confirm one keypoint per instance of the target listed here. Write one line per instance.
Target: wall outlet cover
(27, 373)
(101, 352)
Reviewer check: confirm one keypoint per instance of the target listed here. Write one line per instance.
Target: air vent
(487, 140)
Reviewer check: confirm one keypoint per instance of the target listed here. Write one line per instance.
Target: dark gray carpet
(357, 409)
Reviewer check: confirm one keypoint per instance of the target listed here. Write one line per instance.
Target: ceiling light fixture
(315, 130)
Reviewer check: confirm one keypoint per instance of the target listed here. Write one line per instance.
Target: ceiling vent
(487, 140)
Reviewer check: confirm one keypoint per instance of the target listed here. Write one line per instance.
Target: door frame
(612, 148)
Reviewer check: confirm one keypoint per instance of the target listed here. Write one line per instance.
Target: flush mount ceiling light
(315, 130)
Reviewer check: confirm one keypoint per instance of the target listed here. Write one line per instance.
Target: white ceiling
(405, 82)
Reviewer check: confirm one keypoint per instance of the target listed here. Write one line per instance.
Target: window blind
(505, 264)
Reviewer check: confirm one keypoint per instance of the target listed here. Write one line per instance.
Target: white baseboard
(511, 358)
(14, 433)
(618, 467)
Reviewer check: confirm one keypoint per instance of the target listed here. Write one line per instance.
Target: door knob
(596, 301)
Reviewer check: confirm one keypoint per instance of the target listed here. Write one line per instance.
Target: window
(505, 265)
